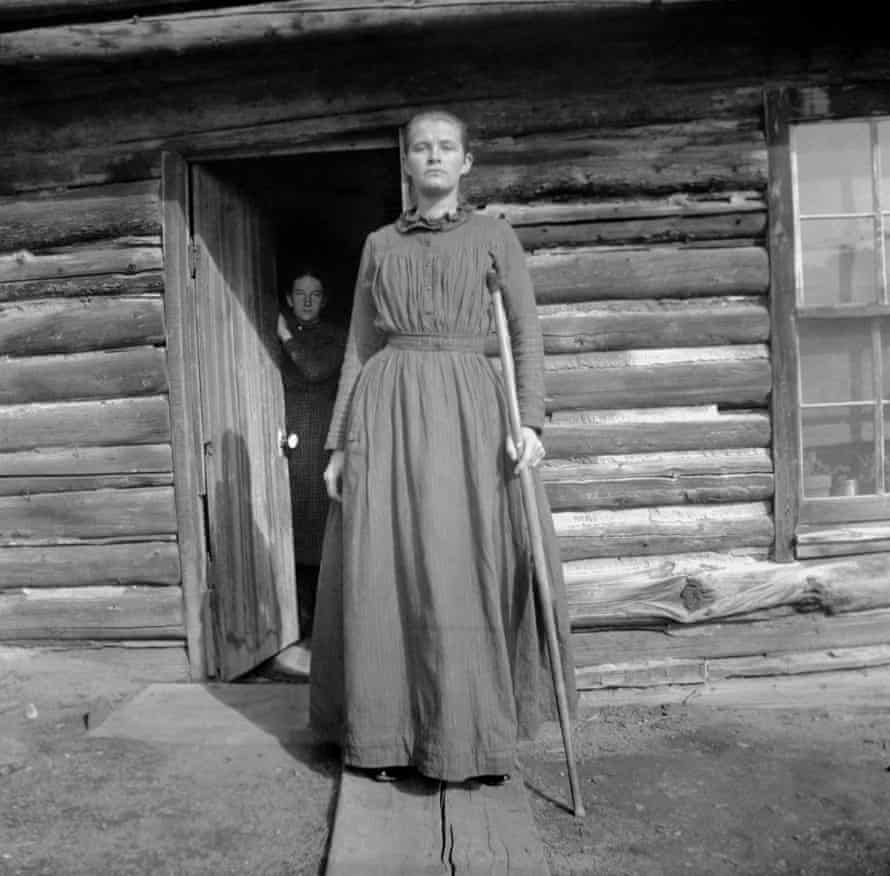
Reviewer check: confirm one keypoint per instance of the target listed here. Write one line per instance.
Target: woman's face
(435, 160)
(306, 298)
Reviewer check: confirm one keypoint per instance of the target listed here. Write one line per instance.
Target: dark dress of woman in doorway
(429, 651)
(310, 373)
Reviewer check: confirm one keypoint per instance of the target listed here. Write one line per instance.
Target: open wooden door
(248, 513)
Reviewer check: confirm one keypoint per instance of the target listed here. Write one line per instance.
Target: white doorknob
(287, 441)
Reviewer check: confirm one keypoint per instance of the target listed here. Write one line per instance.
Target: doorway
(250, 222)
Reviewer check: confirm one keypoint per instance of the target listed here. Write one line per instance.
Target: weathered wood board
(420, 827)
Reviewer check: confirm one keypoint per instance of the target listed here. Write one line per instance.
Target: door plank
(251, 564)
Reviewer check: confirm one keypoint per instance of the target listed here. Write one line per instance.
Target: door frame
(181, 324)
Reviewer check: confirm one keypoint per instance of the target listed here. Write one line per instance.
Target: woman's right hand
(333, 475)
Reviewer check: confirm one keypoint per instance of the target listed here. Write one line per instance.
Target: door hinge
(193, 259)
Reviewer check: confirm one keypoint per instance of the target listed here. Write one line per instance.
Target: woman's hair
(441, 115)
(304, 269)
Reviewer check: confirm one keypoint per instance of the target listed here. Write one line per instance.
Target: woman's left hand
(529, 453)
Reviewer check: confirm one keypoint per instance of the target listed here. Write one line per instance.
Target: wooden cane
(530, 501)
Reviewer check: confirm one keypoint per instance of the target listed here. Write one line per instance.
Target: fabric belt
(438, 343)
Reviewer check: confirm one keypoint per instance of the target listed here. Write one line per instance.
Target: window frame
(785, 107)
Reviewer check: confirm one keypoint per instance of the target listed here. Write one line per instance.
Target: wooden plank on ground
(387, 828)
(491, 831)
(419, 826)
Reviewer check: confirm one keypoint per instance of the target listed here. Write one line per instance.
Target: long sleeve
(525, 332)
(364, 339)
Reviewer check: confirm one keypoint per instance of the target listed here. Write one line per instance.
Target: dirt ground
(675, 787)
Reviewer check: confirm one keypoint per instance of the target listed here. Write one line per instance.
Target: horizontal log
(667, 322)
(675, 464)
(641, 673)
(568, 440)
(267, 23)
(76, 325)
(94, 213)
(833, 541)
(745, 226)
(55, 518)
(651, 672)
(71, 143)
(78, 666)
(736, 637)
(86, 461)
(737, 375)
(130, 255)
(581, 492)
(833, 585)
(70, 424)
(83, 565)
(797, 664)
(650, 159)
(106, 613)
(678, 529)
(146, 283)
(679, 205)
(690, 591)
(26, 486)
(105, 374)
(653, 272)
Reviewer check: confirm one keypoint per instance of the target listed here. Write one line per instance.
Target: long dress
(310, 375)
(428, 648)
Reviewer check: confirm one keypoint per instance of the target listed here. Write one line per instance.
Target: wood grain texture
(637, 432)
(83, 565)
(103, 613)
(681, 593)
(54, 518)
(70, 424)
(86, 461)
(594, 274)
(663, 530)
(265, 23)
(77, 325)
(652, 323)
(92, 213)
(26, 486)
(738, 375)
(737, 636)
(105, 374)
(145, 283)
(387, 829)
(185, 406)
(131, 255)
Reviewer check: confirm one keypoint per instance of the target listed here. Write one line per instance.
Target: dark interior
(321, 205)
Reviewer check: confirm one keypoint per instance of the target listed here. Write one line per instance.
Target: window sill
(842, 540)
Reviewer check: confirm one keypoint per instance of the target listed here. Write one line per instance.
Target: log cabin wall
(627, 148)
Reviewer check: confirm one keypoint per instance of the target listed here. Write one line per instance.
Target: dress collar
(411, 220)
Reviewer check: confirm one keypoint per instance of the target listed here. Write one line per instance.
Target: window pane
(838, 262)
(885, 345)
(836, 360)
(887, 448)
(833, 168)
(838, 444)
(884, 140)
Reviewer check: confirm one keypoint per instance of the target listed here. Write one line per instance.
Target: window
(829, 219)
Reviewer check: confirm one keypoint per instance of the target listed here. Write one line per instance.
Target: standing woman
(314, 352)
(429, 651)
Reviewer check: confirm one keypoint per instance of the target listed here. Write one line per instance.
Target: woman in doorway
(311, 369)
(429, 652)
